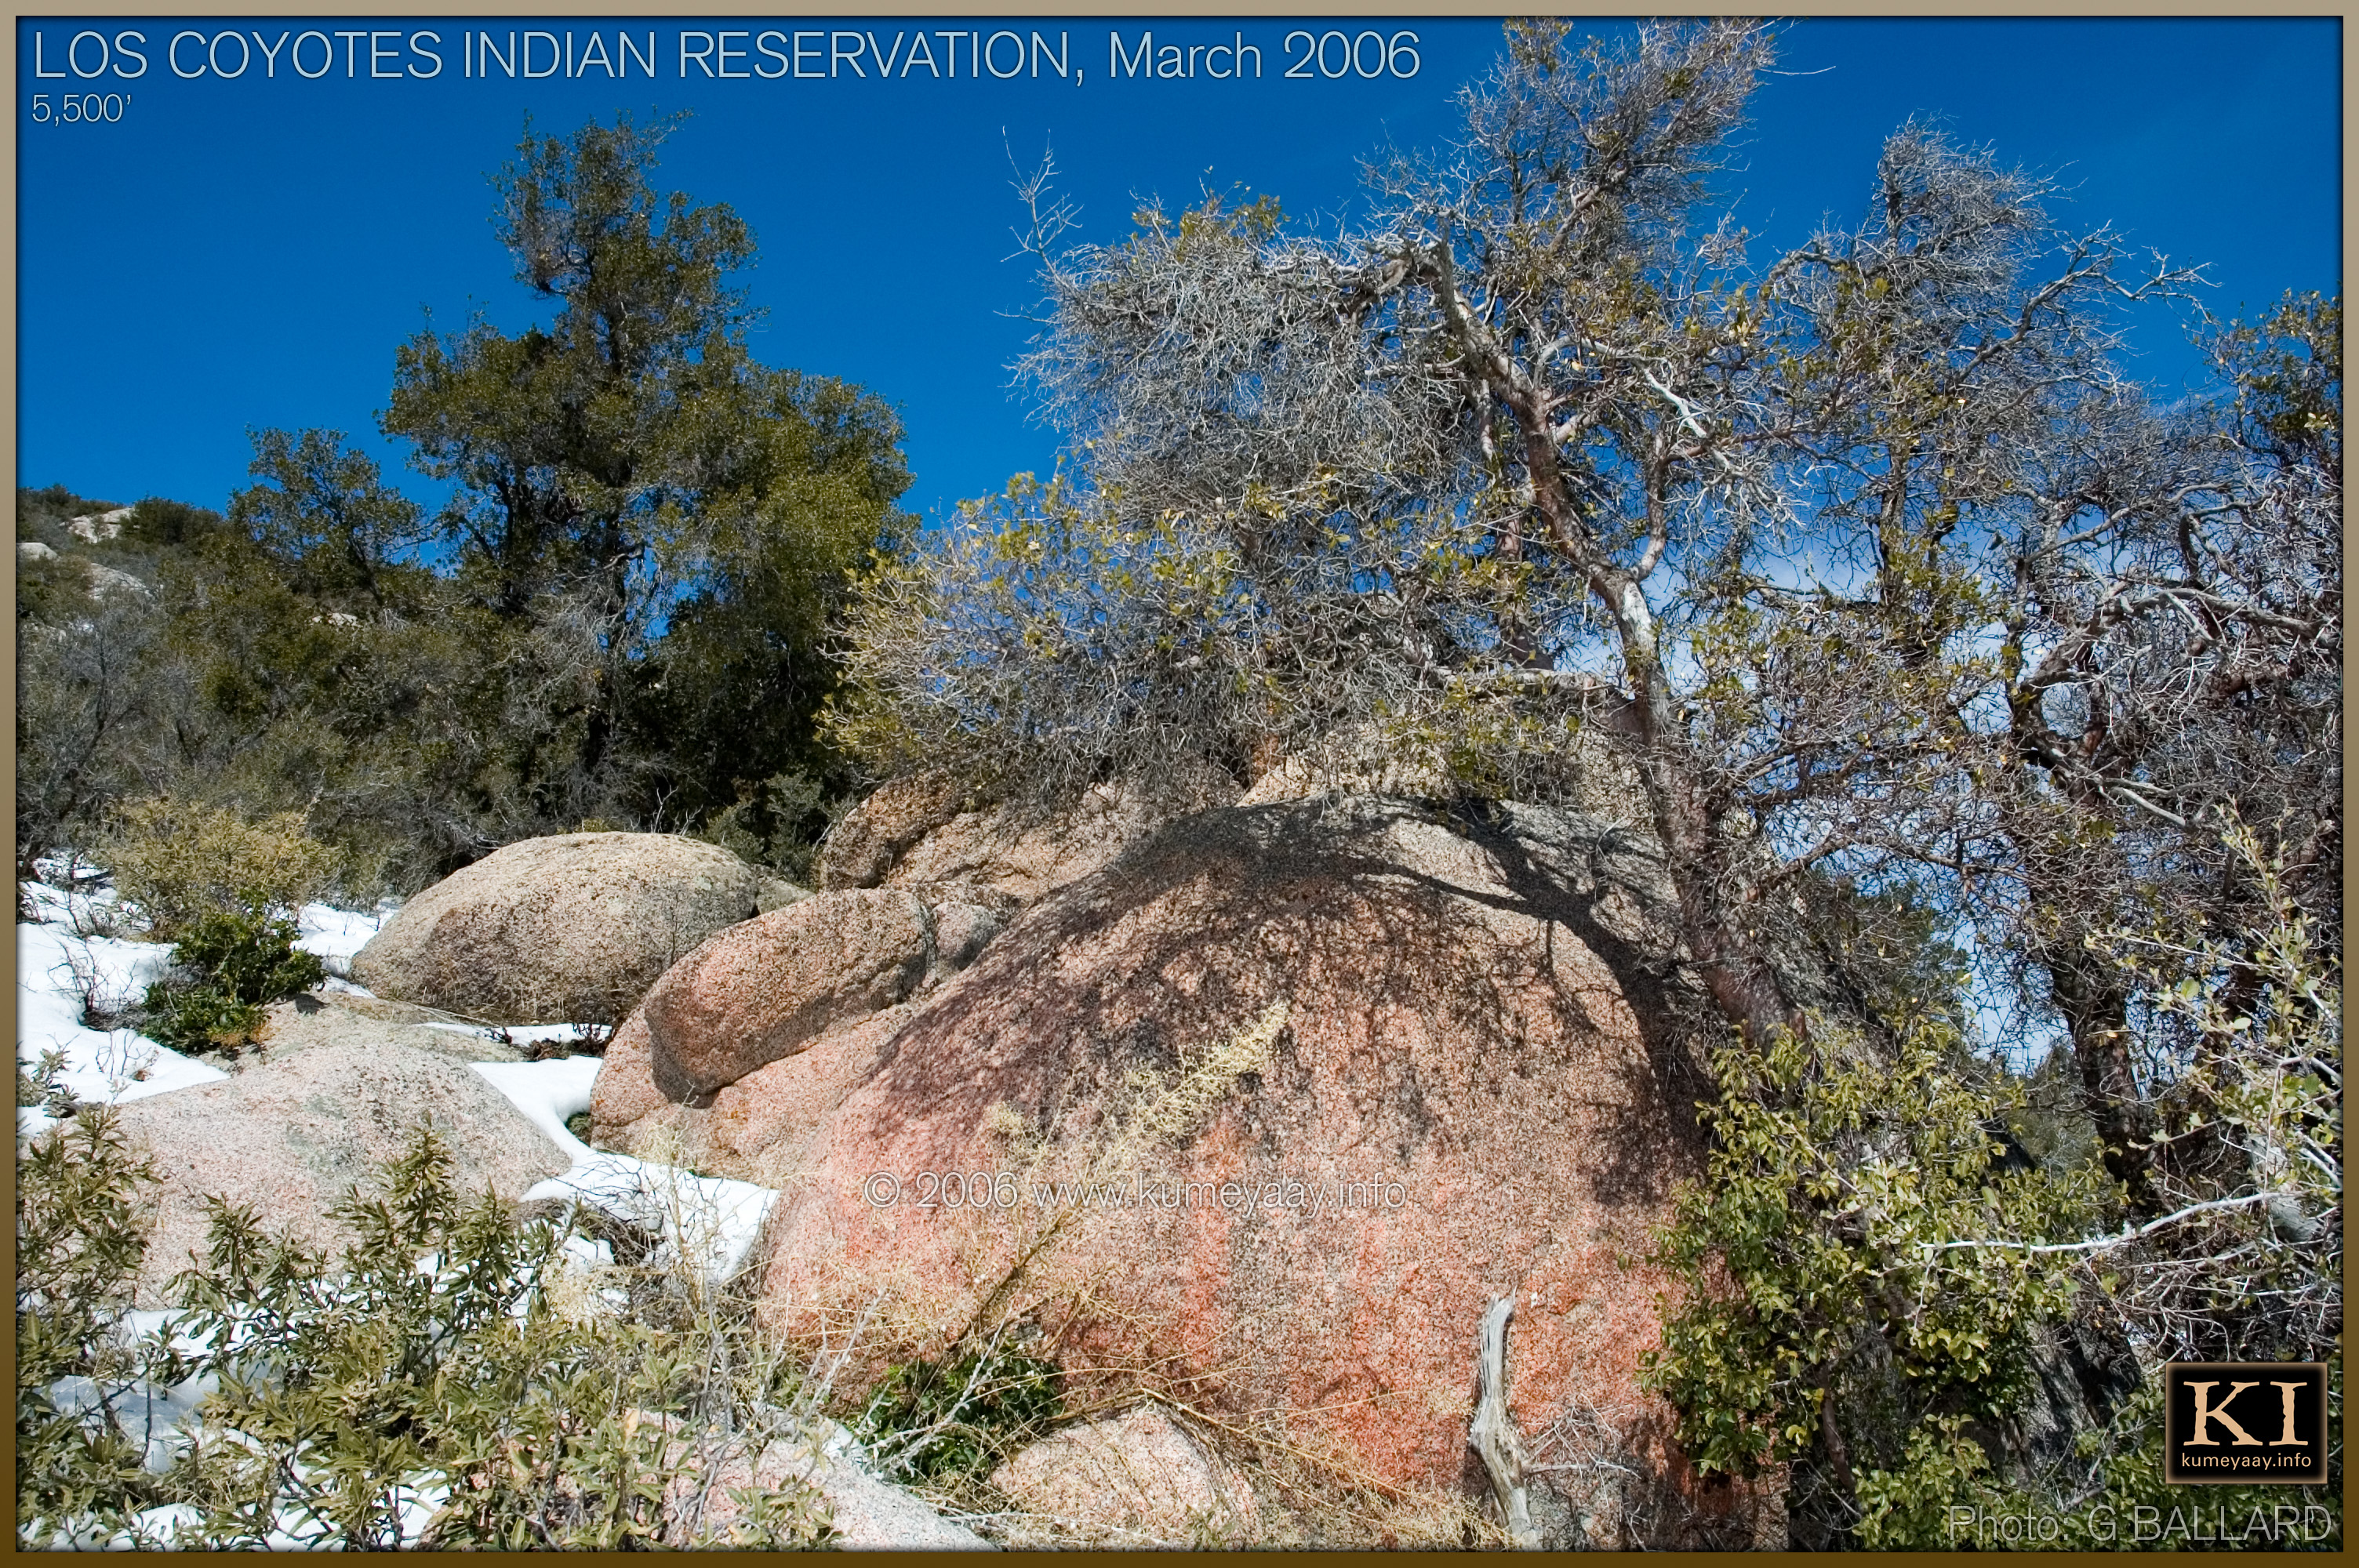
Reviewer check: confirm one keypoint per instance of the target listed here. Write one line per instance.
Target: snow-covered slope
(63, 975)
(59, 975)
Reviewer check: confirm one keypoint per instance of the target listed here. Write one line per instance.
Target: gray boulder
(292, 1137)
(569, 929)
(345, 1018)
(1136, 1479)
(869, 1515)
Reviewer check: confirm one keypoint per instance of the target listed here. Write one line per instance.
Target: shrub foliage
(181, 861)
(441, 1380)
(81, 1227)
(227, 968)
(1832, 1313)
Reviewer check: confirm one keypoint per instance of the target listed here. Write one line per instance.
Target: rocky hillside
(1237, 1121)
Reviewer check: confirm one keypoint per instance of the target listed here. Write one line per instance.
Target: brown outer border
(1887, 8)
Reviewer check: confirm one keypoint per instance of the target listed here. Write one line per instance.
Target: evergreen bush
(82, 1227)
(447, 1379)
(228, 968)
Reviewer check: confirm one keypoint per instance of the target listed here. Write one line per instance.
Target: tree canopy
(619, 617)
(629, 473)
(1909, 619)
(1868, 559)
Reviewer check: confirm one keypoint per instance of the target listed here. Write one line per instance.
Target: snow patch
(547, 1092)
(57, 974)
(335, 933)
(63, 972)
(712, 1222)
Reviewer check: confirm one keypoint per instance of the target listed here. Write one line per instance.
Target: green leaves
(1828, 1306)
(960, 1415)
(344, 1388)
(436, 1381)
(180, 860)
(2288, 372)
(653, 527)
(430, 1369)
(82, 1227)
(228, 965)
(323, 512)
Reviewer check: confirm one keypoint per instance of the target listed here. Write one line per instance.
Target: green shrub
(41, 1089)
(780, 822)
(179, 859)
(82, 1227)
(193, 1019)
(250, 956)
(52, 506)
(441, 1381)
(228, 968)
(1859, 1299)
(960, 1415)
(49, 589)
(443, 1357)
(161, 522)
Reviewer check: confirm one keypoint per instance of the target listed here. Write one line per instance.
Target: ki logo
(2244, 1423)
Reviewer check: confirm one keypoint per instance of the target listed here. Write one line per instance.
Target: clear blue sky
(249, 252)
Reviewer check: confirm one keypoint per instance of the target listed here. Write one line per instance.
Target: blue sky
(249, 252)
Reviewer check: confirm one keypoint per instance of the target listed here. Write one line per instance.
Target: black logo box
(2243, 1424)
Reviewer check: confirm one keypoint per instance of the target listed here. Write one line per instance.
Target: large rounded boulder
(702, 1064)
(769, 987)
(568, 929)
(291, 1137)
(928, 833)
(1279, 1100)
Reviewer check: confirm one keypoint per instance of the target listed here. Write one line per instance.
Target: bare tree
(1926, 640)
(1527, 453)
(2176, 631)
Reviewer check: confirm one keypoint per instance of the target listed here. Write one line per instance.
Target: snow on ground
(709, 1220)
(63, 973)
(293, 1527)
(548, 1093)
(337, 933)
(524, 1034)
(712, 1220)
(57, 907)
(57, 973)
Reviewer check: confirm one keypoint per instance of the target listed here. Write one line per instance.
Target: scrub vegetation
(619, 616)
(1987, 708)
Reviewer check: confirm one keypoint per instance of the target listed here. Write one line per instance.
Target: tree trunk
(1712, 900)
(1493, 1435)
(2094, 1002)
